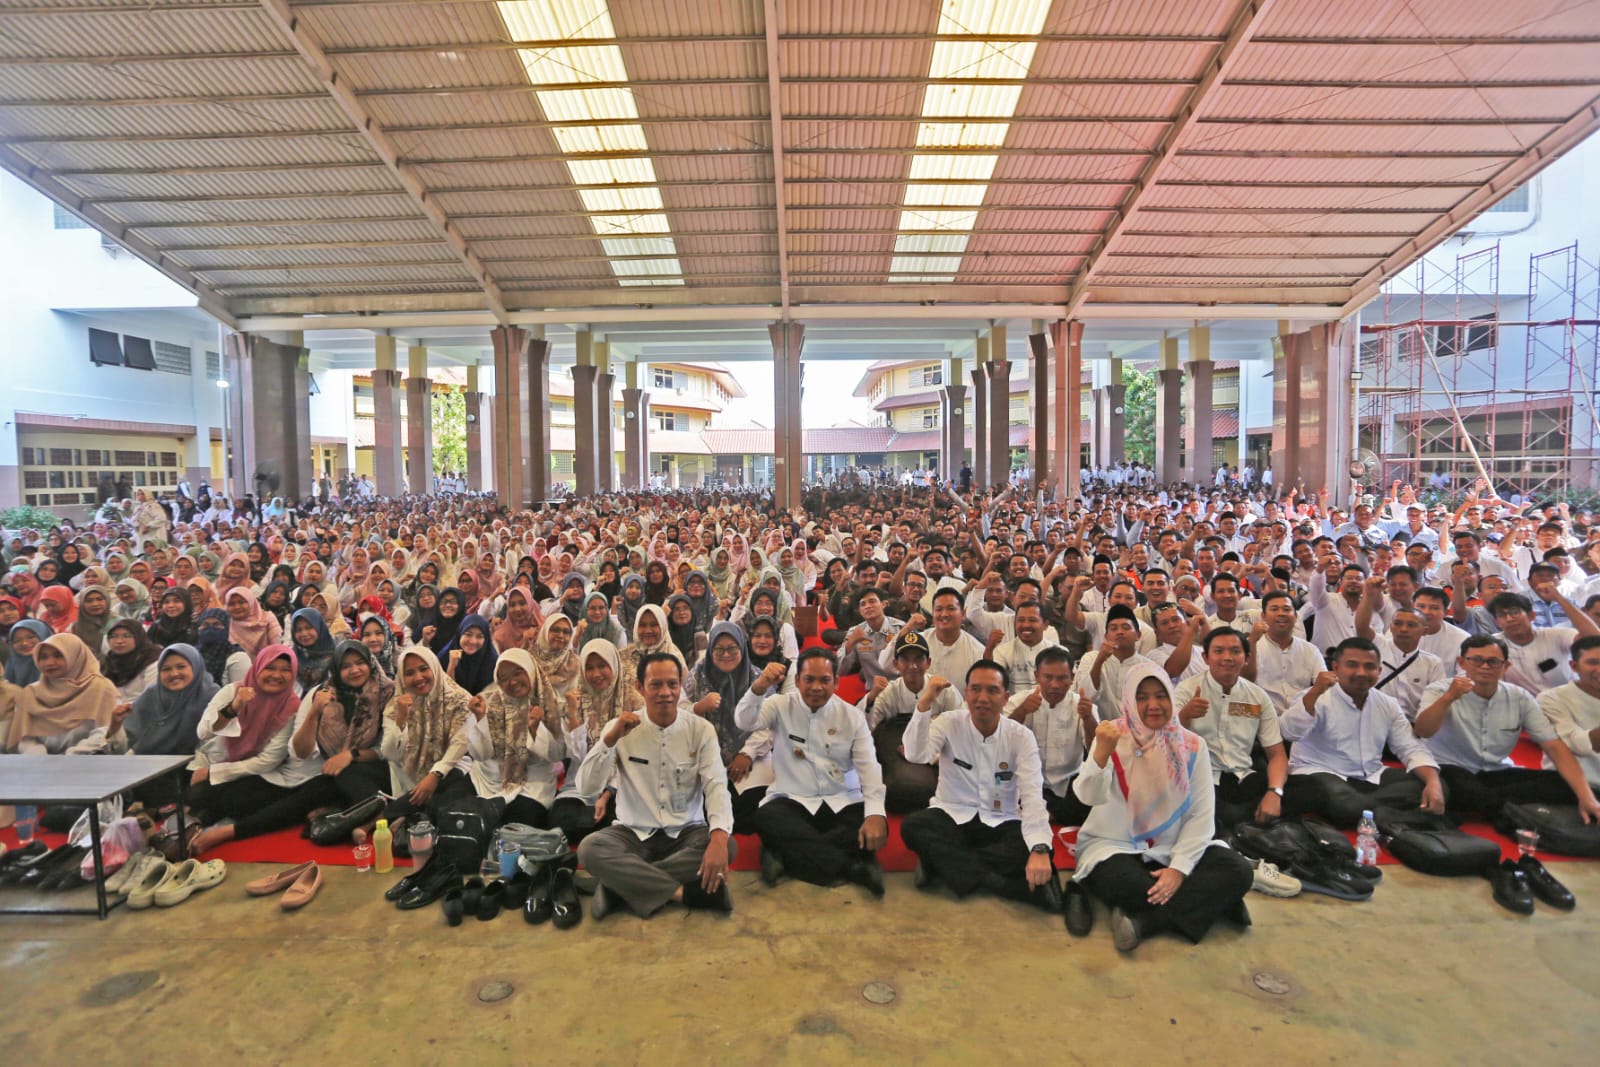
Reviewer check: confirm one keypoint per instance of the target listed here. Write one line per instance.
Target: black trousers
(1486, 792)
(1067, 810)
(745, 807)
(241, 800)
(527, 811)
(970, 856)
(907, 786)
(816, 848)
(1238, 798)
(455, 786)
(1342, 800)
(574, 816)
(1218, 881)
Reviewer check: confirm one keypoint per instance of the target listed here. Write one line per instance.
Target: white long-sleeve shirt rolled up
(819, 757)
(667, 777)
(1105, 831)
(1348, 741)
(997, 779)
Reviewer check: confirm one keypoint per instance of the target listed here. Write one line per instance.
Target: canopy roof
(717, 160)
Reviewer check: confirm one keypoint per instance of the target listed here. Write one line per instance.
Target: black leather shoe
(38, 858)
(1047, 897)
(604, 902)
(1238, 913)
(771, 866)
(440, 878)
(541, 904)
(26, 854)
(54, 862)
(566, 911)
(412, 880)
(1511, 889)
(472, 894)
(336, 826)
(516, 894)
(924, 877)
(1080, 911)
(1544, 884)
(698, 899)
(453, 905)
(489, 902)
(866, 872)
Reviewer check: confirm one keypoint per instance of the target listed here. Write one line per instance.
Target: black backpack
(466, 827)
(1560, 827)
(1433, 845)
(1315, 853)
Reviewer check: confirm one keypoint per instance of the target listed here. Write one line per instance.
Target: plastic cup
(27, 822)
(510, 851)
(363, 858)
(1527, 841)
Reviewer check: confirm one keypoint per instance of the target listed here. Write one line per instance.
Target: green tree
(1139, 415)
(449, 430)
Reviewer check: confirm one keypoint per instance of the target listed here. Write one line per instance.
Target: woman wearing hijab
(249, 773)
(340, 729)
(378, 636)
(471, 659)
(68, 701)
(165, 719)
(683, 630)
(419, 730)
(649, 635)
(766, 602)
(1147, 847)
(601, 694)
(522, 618)
(598, 625)
(451, 612)
(313, 647)
(235, 575)
(130, 660)
(571, 603)
(632, 599)
(202, 597)
(24, 639)
(552, 653)
(133, 601)
(720, 573)
(72, 563)
(94, 615)
(657, 582)
(249, 625)
(697, 590)
(58, 608)
(714, 689)
(174, 623)
(763, 648)
(514, 735)
(275, 598)
(225, 662)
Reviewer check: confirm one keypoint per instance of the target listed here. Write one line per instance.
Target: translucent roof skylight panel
(952, 167)
(639, 246)
(922, 244)
(611, 171)
(961, 134)
(655, 268)
(913, 218)
(938, 279)
(981, 59)
(550, 20)
(978, 17)
(925, 264)
(970, 101)
(609, 225)
(942, 195)
(586, 105)
(587, 140)
(572, 66)
(640, 200)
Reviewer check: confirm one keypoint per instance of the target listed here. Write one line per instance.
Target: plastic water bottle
(383, 847)
(1367, 841)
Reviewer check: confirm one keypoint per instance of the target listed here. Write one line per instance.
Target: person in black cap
(888, 707)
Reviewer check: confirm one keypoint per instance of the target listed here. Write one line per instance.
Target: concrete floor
(1429, 971)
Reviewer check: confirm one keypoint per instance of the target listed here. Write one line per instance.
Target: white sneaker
(142, 894)
(1273, 882)
(122, 883)
(188, 878)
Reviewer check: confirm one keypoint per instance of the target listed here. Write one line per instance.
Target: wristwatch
(1278, 789)
(1043, 849)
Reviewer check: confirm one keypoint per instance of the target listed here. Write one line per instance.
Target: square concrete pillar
(1067, 338)
(475, 412)
(980, 424)
(636, 437)
(275, 409)
(1197, 393)
(999, 420)
(788, 338)
(388, 457)
(586, 437)
(1169, 421)
(952, 427)
(1039, 408)
(606, 423)
(1110, 422)
(419, 423)
(536, 418)
(510, 412)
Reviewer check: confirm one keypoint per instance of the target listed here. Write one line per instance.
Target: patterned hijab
(600, 706)
(55, 705)
(435, 715)
(507, 717)
(1152, 766)
(361, 720)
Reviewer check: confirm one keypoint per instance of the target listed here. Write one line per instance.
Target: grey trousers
(645, 873)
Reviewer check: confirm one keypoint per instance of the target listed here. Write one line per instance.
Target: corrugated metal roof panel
(172, 119)
(1121, 59)
(139, 31)
(406, 234)
(190, 77)
(1417, 18)
(1349, 170)
(1201, 242)
(347, 211)
(1287, 137)
(375, 179)
(442, 272)
(1187, 17)
(1424, 61)
(276, 154)
(1394, 102)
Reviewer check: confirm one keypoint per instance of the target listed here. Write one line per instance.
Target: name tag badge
(797, 740)
(1242, 710)
(996, 803)
(963, 764)
(638, 759)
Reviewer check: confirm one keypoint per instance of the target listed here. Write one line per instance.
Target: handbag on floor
(466, 827)
(538, 846)
(1560, 827)
(1432, 843)
(336, 826)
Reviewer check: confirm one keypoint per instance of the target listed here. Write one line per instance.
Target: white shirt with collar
(1234, 720)
(539, 781)
(947, 661)
(1478, 734)
(1422, 669)
(1541, 663)
(1348, 741)
(667, 778)
(897, 699)
(275, 762)
(1573, 714)
(821, 756)
(1059, 733)
(1285, 673)
(1107, 696)
(996, 779)
(1446, 644)
(1018, 660)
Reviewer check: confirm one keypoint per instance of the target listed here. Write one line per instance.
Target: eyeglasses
(1479, 661)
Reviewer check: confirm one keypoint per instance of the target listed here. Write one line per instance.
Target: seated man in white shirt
(1282, 661)
(1062, 722)
(1472, 722)
(1018, 654)
(822, 819)
(1338, 729)
(1100, 675)
(1406, 668)
(1440, 637)
(1232, 715)
(1538, 654)
(1574, 709)
(671, 839)
(987, 827)
(888, 707)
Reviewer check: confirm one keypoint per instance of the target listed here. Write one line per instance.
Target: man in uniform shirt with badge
(987, 827)
(1232, 714)
(822, 818)
(672, 835)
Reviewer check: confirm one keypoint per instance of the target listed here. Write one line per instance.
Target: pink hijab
(265, 715)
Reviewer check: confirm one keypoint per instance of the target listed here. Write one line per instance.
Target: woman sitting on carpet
(420, 730)
(713, 690)
(514, 735)
(130, 661)
(226, 662)
(68, 702)
(1147, 847)
(601, 694)
(165, 720)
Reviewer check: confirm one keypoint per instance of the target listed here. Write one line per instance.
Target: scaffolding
(1460, 380)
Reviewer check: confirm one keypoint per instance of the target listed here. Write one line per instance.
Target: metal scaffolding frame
(1451, 386)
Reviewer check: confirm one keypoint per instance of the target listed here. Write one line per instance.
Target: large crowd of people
(654, 673)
